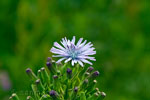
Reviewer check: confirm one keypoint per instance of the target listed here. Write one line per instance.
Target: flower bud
(45, 76)
(74, 93)
(39, 85)
(76, 89)
(29, 98)
(48, 64)
(87, 74)
(15, 97)
(86, 81)
(90, 69)
(39, 74)
(49, 59)
(94, 81)
(99, 92)
(42, 69)
(97, 89)
(56, 83)
(10, 98)
(53, 93)
(55, 77)
(84, 84)
(39, 71)
(103, 94)
(91, 86)
(31, 74)
(59, 64)
(28, 70)
(45, 97)
(95, 74)
(51, 67)
(96, 94)
(37, 81)
(69, 71)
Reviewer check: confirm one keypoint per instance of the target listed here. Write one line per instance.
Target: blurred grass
(119, 30)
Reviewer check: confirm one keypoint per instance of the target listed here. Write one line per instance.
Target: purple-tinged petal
(73, 40)
(80, 63)
(57, 56)
(72, 62)
(86, 61)
(79, 42)
(57, 51)
(75, 61)
(61, 59)
(68, 60)
(82, 44)
(58, 46)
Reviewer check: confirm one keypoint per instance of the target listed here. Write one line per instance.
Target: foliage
(63, 82)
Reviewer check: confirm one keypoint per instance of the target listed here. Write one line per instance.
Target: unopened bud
(28, 70)
(39, 71)
(55, 76)
(69, 71)
(94, 81)
(31, 74)
(15, 97)
(29, 98)
(49, 59)
(103, 94)
(53, 93)
(39, 85)
(90, 69)
(87, 74)
(86, 81)
(10, 98)
(59, 64)
(97, 89)
(42, 69)
(96, 73)
(76, 89)
(37, 81)
(96, 94)
(48, 64)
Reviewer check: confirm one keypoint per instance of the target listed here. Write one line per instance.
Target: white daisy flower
(79, 52)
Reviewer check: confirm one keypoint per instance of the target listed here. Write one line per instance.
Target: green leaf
(82, 96)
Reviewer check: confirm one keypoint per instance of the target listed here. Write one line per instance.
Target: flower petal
(57, 51)
(86, 61)
(61, 59)
(80, 63)
(59, 46)
(72, 62)
(73, 40)
(68, 60)
(79, 42)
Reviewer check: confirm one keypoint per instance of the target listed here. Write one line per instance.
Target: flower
(76, 53)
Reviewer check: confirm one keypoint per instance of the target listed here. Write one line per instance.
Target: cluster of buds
(63, 82)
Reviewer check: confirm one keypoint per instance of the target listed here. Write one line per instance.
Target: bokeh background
(119, 30)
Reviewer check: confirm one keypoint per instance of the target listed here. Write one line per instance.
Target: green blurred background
(119, 30)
